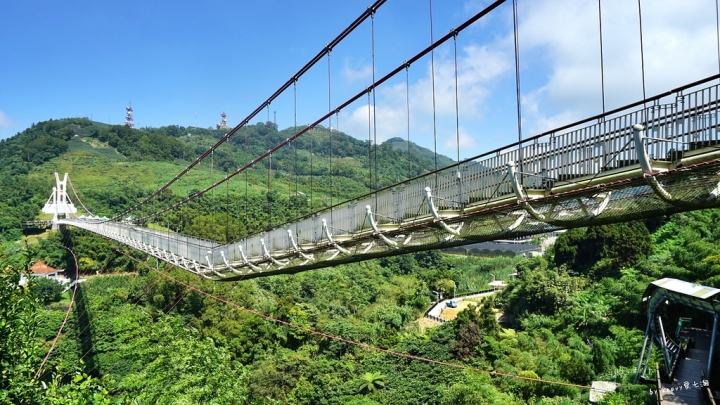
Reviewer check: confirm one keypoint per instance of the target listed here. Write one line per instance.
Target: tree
(468, 340)
(543, 291)
(18, 324)
(619, 245)
(477, 388)
(370, 382)
(83, 390)
(445, 286)
(566, 246)
(19, 357)
(47, 289)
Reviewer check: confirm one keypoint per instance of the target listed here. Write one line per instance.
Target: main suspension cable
(78, 198)
(348, 102)
(350, 28)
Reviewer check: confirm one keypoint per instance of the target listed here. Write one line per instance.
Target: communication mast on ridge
(223, 122)
(129, 116)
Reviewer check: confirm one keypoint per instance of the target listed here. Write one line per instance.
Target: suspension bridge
(656, 156)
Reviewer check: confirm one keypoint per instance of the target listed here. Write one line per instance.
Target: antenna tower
(129, 115)
(223, 122)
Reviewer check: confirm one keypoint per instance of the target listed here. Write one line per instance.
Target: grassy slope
(93, 165)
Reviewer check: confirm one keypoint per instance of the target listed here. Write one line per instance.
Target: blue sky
(183, 62)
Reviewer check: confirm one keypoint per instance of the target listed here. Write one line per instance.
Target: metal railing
(676, 124)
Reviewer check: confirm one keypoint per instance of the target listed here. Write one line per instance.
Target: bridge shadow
(85, 336)
(82, 314)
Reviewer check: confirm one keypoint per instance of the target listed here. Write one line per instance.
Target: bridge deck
(603, 172)
(689, 370)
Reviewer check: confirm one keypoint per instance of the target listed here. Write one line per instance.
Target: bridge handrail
(624, 131)
(147, 233)
(568, 154)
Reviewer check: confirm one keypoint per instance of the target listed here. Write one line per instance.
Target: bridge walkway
(689, 370)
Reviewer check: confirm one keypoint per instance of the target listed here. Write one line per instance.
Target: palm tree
(371, 382)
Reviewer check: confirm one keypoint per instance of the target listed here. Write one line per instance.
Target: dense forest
(143, 332)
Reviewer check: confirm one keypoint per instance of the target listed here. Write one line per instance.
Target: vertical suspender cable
(312, 158)
(717, 32)
(457, 110)
(269, 172)
(517, 89)
(238, 232)
(227, 193)
(374, 121)
(457, 119)
(212, 195)
(432, 80)
(642, 54)
(602, 61)
(370, 168)
(295, 146)
(407, 106)
(332, 182)
(330, 136)
(247, 200)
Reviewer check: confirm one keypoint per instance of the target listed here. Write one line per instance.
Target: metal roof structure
(666, 290)
(693, 295)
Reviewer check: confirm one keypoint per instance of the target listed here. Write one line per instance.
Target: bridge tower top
(59, 202)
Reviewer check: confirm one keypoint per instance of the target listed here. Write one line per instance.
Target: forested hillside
(114, 167)
(143, 332)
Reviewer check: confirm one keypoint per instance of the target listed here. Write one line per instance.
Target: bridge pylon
(59, 202)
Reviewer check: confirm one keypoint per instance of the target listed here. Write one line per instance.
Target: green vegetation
(343, 335)
(23, 340)
(114, 167)
(82, 145)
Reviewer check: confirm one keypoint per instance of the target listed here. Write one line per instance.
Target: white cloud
(466, 142)
(560, 71)
(563, 41)
(478, 67)
(5, 121)
(356, 70)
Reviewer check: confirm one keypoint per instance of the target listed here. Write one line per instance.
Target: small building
(40, 269)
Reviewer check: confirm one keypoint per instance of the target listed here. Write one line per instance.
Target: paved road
(438, 308)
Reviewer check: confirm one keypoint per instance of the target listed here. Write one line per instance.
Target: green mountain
(115, 166)
(418, 152)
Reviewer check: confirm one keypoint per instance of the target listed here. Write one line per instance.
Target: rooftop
(41, 268)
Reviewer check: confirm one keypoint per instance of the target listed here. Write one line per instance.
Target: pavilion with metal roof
(664, 291)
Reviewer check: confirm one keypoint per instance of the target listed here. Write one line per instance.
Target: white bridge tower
(59, 202)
